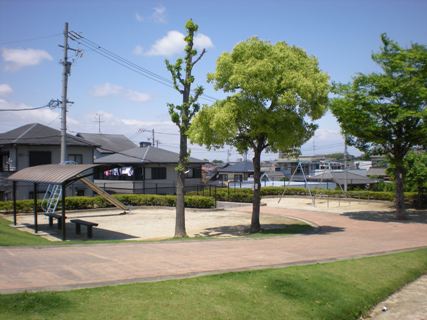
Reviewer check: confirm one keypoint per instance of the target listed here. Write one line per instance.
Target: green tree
(274, 92)
(416, 171)
(182, 115)
(385, 113)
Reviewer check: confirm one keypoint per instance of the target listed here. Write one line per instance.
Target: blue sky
(341, 34)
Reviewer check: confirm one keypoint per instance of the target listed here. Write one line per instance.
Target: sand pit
(156, 224)
(339, 206)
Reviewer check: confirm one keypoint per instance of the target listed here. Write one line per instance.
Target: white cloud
(202, 41)
(138, 50)
(18, 58)
(136, 96)
(169, 45)
(139, 17)
(159, 14)
(174, 43)
(5, 89)
(108, 89)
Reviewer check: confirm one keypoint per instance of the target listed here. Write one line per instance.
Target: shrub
(79, 203)
(245, 195)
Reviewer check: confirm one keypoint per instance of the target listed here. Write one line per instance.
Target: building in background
(36, 144)
(145, 169)
(107, 143)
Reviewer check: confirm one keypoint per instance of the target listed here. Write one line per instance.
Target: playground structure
(58, 177)
(53, 194)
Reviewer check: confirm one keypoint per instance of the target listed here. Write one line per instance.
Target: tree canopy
(275, 91)
(385, 112)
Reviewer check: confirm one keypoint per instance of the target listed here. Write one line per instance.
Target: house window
(195, 173)
(158, 173)
(80, 192)
(40, 157)
(6, 162)
(76, 158)
(223, 177)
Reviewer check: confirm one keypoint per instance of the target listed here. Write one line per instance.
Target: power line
(126, 63)
(52, 104)
(31, 39)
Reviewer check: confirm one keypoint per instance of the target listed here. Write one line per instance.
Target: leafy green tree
(416, 171)
(274, 91)
(182, 115)
(385, 113)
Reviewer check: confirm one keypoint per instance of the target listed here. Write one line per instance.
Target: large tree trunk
(255, 225)
(400, 197)
(180, 188)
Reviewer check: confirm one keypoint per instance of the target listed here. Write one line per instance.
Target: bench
(88, 225)
(56, 216)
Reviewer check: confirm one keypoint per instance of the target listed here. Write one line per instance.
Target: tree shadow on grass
(414, 216)
(33, 304)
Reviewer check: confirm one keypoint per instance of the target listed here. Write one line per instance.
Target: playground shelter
(60, 175)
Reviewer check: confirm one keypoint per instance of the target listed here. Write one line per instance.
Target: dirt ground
(159, 223)
(154, 224)
(330, 205)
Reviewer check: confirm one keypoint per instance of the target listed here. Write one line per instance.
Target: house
(308, 166)
(145, 169)
(35, 144)
(342, 177)
(239, 171)
(107, 143)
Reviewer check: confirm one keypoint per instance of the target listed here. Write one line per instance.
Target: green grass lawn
(338, 290)
(10, 236)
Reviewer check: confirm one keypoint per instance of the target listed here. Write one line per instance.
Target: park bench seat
(88, 224)
(56, 216)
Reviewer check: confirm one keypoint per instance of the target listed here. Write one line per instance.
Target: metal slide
(104, 194)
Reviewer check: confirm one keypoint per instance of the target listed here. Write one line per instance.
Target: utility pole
(65, 73)
(99, 115)
(152, 132)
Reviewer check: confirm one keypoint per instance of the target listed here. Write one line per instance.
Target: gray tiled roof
(377, 172)
(147, 154)
(244, 166)
(38, 134)
(340, 177)
(109, 143)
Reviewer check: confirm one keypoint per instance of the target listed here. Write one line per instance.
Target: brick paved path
(65, 267)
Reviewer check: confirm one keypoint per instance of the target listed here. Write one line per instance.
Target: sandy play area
(154, 224)
(159, 223)
(339, 206)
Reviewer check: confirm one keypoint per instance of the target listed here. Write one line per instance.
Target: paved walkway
(410, 303)
(66, 267)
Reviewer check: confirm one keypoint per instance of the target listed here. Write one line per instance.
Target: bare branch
(200, 57)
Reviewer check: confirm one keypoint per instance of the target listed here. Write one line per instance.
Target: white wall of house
(20, 155)
(150, 185)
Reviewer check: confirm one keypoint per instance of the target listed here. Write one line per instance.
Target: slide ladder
(51, 198)
(104, 194)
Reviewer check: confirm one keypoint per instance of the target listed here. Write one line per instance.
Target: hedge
(246, 194)
(78, 203)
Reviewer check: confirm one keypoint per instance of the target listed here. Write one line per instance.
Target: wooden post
(14, 201)
(63, 211)
(36, 227)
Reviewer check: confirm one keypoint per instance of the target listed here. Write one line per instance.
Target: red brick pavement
(66, 267)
